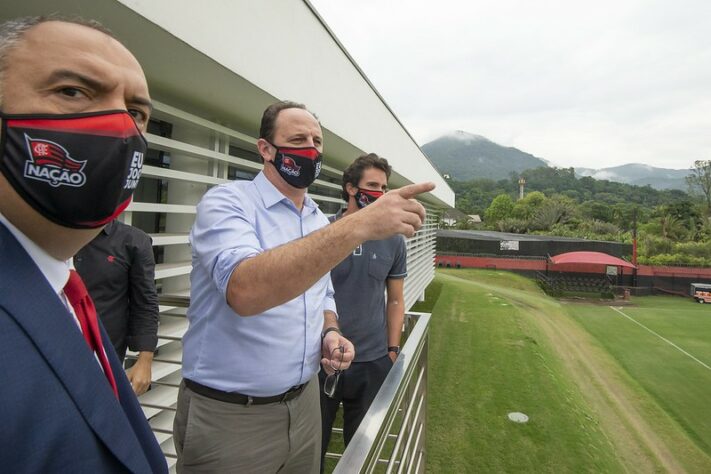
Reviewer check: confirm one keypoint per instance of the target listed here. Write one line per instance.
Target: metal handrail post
(404, 391)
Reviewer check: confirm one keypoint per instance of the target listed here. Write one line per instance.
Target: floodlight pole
(634, 247)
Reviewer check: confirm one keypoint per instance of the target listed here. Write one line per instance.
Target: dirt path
(600, 380)
(609, 396)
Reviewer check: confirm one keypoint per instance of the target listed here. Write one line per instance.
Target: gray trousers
(220, 437)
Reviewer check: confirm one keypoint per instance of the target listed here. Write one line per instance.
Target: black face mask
(298, 166)
(78, 170)
(365, 196)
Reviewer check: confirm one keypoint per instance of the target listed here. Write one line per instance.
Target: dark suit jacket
(57, 411)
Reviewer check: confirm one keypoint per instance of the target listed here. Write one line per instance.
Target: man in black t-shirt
(366, 318)
(118, 269)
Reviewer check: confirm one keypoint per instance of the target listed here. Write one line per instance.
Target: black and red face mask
(78, 170)
(366, 196)
(298, 166)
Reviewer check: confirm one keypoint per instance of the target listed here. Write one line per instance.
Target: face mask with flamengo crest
(77, 170)
(298, 166)
(366, 196)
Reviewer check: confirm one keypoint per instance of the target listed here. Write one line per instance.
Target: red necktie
(86, 314)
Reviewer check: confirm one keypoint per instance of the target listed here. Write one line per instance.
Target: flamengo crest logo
(50, 162)
(289, 166)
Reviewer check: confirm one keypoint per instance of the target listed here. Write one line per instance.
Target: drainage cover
(518, 417)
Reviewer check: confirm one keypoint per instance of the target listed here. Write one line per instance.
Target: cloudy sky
(579, 83)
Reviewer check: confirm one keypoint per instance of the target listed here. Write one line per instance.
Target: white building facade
(212, 68)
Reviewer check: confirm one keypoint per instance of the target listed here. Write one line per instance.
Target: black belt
(234, 397)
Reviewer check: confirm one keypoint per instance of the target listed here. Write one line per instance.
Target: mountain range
(640, 175)
(464, 156)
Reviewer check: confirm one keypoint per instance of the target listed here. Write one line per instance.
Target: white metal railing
(391, 437)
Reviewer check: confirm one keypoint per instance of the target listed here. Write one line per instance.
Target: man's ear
(266, 150)
(351, 190)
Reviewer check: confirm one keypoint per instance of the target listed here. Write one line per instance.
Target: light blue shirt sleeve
(224, 234)
(329, 303)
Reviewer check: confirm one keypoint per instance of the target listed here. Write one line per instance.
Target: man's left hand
(333, 356)
(140, 376)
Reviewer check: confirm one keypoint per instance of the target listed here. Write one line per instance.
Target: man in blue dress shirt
(262, 315)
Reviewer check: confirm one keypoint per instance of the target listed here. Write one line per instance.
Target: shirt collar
(109, 228)
(55, 271)
(271, 195)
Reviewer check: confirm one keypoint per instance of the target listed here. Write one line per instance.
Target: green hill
(464, 156)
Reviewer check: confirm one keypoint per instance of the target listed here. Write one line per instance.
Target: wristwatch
(395, 349)
(329, 329)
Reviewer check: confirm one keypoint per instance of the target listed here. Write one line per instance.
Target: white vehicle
(701, 292)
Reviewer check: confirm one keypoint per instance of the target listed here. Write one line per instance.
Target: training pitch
(603, 387)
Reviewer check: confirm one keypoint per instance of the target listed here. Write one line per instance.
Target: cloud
(577, 83)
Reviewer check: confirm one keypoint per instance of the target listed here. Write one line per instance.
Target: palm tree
(700, 178)
(672, 227)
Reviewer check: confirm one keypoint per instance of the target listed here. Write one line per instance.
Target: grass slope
(603, 394)
(678, 383)
(488, 358)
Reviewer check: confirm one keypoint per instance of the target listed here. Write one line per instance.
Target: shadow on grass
(432, 293)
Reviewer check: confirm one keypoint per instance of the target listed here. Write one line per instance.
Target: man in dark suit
(74, 103)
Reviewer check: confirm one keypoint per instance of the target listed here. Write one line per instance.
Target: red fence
(490, 262)
(541, 264)
(686, 272)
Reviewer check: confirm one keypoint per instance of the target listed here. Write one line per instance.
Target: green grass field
(679, 382)
(603, 394)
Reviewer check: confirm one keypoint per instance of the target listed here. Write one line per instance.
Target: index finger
(412, 190)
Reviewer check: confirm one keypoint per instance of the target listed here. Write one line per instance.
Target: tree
(596, 210)
(623, 215)
(525, 208)
(501, 208)
(700, 178)
(557, 210)
(672, 227)
(513, 225)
